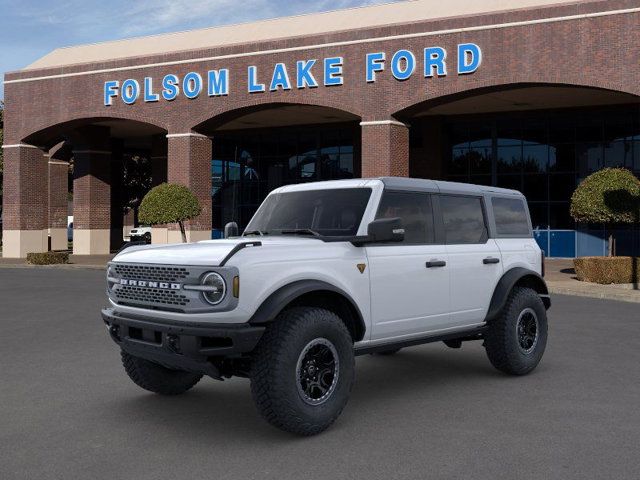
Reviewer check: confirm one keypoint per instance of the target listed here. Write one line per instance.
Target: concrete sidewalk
(561, 279)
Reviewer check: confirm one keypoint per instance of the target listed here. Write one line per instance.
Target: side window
(511, 217)
(414, 209)
(463, 219)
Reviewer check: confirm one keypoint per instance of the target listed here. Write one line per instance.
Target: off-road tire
(274, 374)
(391, 351)
(502, 341)
(156, 378)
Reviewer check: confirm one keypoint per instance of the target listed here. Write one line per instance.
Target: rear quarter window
(511, 217)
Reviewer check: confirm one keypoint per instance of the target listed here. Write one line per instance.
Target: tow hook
(173, 343)
(114, 331)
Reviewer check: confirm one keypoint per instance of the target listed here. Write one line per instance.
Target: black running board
(475, 333)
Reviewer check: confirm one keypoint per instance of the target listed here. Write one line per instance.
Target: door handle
(490, 260)
(436, 263)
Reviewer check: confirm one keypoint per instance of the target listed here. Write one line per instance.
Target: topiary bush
(169, 203)
(48, 258)
(611, 195)
(606, 270)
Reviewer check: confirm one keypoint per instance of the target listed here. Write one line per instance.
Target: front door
(409, 280)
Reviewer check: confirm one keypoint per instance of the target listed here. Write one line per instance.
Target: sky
(30, 29)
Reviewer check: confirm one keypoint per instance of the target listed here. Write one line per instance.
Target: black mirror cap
(385, 230)
(231, 230)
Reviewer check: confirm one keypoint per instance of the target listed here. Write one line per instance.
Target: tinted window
(463, 219)
(511, 217)
(330, 212)
(414, 209)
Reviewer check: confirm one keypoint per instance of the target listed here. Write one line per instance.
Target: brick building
(529, 94)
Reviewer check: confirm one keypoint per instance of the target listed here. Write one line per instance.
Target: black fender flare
(506, 283)
(278, 300)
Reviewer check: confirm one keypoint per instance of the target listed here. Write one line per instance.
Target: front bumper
(184, 346)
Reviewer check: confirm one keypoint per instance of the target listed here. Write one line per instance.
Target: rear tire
(303, 370)
(156, 378)
(516, 340)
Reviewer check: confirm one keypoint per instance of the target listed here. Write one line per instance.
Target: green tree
(136, 182)
(609, 196)
(169, 203)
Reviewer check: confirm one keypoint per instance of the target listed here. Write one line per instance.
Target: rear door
(475, 263)
(409, 280)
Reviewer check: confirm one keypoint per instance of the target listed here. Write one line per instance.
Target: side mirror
(385, 230)
(231, 230)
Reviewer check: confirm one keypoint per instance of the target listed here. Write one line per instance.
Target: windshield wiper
(255, 232)
(300, 231)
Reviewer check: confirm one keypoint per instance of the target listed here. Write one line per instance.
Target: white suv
(326, 271)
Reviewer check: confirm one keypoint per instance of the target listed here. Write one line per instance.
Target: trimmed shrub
(169, 203)
(48, 258)
(611, 195)
(606, 270)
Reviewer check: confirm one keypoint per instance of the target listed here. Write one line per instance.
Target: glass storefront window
(544, 154)
(247, 165)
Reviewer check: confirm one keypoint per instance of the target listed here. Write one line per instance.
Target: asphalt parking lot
(67, 409)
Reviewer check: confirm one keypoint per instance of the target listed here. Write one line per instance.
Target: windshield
(330, 213)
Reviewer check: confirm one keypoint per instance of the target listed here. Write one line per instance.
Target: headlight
(111, 280)
(215, 288)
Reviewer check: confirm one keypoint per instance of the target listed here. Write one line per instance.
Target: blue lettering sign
(469, 58)
(403, 64)
(192, 85)
(254, 86)
(304, 77)
(170, 86)
(280, 78)
(149, 96)
(130, 91)
(333, 71)
(375, 63)
(218, 82)
(434, 58)
(110, 92)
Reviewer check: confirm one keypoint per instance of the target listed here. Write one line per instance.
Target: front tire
(516, 340)
(156, 378)
(303, 370)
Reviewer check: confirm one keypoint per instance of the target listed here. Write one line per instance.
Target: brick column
(385, 149)
(58, 191)
(189, 163)
(25, 209)
(158, 159)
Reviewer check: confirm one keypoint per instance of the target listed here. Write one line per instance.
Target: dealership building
(532, 95)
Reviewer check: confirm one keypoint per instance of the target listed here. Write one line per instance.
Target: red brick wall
(596, 52)
(25, 189)
(191, 166)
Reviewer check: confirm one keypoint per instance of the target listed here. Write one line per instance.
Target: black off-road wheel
(156, 378)
(303, 370)
(516, 340)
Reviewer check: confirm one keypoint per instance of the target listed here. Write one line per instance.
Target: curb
(621, 297)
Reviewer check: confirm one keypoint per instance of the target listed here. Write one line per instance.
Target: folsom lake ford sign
(309, 73)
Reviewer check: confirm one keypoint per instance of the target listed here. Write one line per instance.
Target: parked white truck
(326, 271)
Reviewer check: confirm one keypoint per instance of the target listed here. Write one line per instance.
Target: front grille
(151, 272)
(142, 295)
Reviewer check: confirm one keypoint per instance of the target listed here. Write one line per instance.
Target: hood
(208, 252)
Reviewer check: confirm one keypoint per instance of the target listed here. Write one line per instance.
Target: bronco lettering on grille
(150, 284)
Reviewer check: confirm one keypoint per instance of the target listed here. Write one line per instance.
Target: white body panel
(407, 297)
(472, 281)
